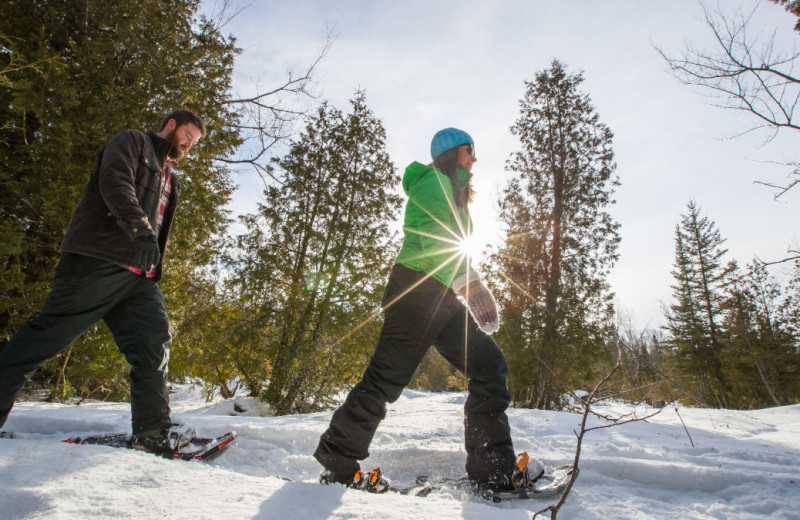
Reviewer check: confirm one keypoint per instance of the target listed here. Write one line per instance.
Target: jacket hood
(416, 171)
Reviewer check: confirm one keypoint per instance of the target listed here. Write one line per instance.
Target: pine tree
(315, 259)
(693, 320)
(550, 273)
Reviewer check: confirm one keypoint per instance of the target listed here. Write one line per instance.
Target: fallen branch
(590, 399)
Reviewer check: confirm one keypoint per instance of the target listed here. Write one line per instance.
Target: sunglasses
(470, 150)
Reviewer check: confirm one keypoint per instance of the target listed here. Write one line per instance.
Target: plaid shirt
(166, 191)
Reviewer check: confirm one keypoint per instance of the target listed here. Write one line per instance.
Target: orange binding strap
(522, 462)
(375, 476)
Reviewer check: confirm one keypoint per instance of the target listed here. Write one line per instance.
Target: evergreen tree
(792, 6)
(96, 68)
(643, 365)
(550, 273)
(314, 262)
(693, 321)
(436, 374)
(762, 360)
(790, 308)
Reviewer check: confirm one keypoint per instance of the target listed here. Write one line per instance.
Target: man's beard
(174, 151)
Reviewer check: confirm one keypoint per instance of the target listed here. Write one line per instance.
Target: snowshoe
(198, 448)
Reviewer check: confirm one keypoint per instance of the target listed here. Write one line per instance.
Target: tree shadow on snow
(18, 503)
(301, 500)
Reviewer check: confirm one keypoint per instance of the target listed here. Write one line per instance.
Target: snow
(743, 465)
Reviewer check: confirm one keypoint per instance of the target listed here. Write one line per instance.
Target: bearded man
(109, 269)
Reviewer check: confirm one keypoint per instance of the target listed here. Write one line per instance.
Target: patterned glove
(482, 306)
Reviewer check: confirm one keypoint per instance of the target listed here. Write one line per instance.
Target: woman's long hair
(447, 162)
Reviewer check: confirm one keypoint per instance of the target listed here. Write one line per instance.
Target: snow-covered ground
(744, 464)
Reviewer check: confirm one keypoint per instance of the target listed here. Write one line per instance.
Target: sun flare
(470, 247)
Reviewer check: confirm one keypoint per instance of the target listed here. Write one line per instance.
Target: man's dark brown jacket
(121, 200)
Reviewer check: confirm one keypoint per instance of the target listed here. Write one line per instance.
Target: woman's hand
(482, 306)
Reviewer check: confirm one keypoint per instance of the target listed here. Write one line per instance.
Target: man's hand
(482, 306)
(147, 251)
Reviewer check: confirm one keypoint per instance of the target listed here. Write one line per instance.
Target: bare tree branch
(266, 118)
(760, 264)
(783, 189)
(587, 404)
(220, 15)
(745, 73)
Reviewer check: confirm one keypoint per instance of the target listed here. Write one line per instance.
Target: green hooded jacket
(434, 226)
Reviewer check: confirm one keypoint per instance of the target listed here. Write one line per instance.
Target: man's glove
(147, 252)
(482, 306)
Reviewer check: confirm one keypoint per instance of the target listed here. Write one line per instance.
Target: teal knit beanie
(447, 138)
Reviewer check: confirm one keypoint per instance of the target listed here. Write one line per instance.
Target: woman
(422, 309)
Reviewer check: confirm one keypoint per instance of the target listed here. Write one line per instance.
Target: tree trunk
(544, 380)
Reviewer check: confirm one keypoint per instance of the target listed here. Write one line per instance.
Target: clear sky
(430, 64)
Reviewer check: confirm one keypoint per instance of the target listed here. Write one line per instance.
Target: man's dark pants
(86, 290)
(429, 314)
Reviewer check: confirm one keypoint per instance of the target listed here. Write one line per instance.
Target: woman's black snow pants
(420, 313)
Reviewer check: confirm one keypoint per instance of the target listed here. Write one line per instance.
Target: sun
(470, 247)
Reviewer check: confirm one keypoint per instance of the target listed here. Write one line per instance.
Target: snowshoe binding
(170, 439)
(371, 482)
(530, 479)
